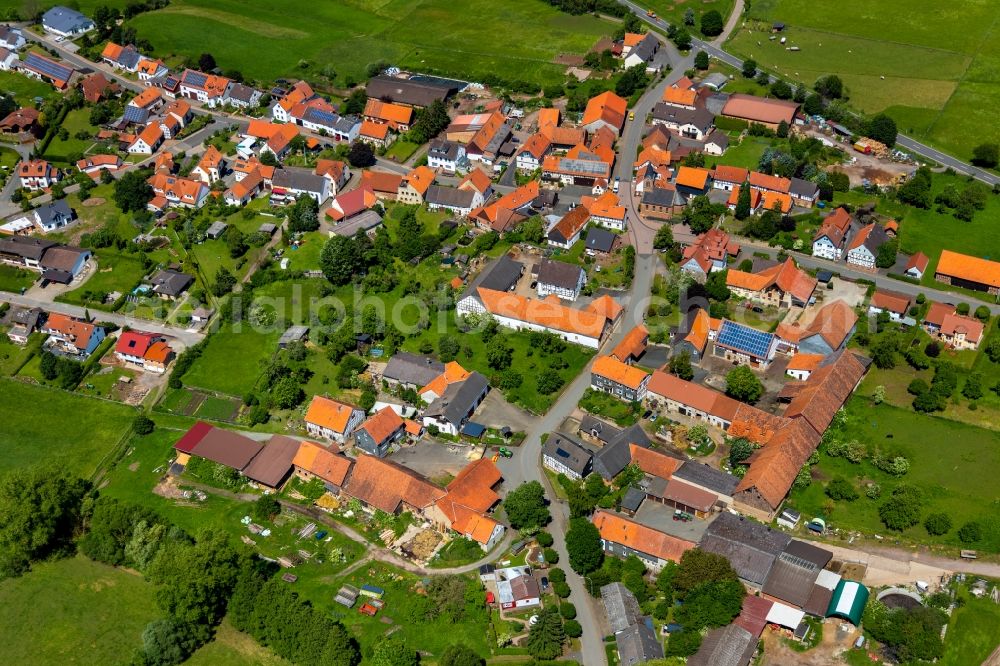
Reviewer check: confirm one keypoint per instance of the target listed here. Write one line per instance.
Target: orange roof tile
(698, 335)
(112, 51)
(388, 112)
(374, 130)
(608, 107)
(632, 38)
(158, 352)
(150, 66)
(473, 486)
(653, 155)
(805, 361)
(477, 180)
(653, 462)
(384, 485)
(891, 301)
(412, 427)
(548, 313)
(211, 159)
(936, 313)
(453, 372)
(420, 179)
(695, 395)
(730, 174)
(606, 306)
(768, 182)
(956, 324)
(572, 222)
(322, 462)
(777, 201)
(633, 345)
(548, 118)
(611, 368)
(607, 205)
(692, 177)
(382, 424)
(968, 268)
(537, 145)
(328, 413)
(146, 98)
(639, 537)
(680, 96)
(381, 181)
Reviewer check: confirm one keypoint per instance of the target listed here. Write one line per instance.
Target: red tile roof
(384, 485)
(617, 529)
(891, 301)
(633, 345)
(968, 268)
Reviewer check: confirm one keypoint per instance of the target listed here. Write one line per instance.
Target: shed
(216, 229)
(372, 591)
(267, 228)
(293, 334)
(473, 429)
(848, 601)
(632, 500)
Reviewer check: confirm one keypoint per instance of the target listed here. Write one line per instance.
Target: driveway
(496, 412)
(434, 458)
(661, 517)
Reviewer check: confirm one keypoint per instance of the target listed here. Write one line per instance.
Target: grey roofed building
(545, 200)
(52, 213)
(244, 94)
(449, 197)
(806, 551)
(129, 58)
(638, 644)
(707, 477)
(600, 239)
(791, 579)
(621, 607)
(412, 370)
(302, 180)
(25, 247)
(170, 282)
(616, 455)
(731, 645)
(750, 547)
(365, 221)
(633, 499)
(661, 196)
(700, 117)
(444, 150)
(66, 21)
(803, 189)
(267, 228)
(600, 430)
(715, 81)
(64, 258)
(26, 317)
(407, 91)
(569, 454)
(346, 124)
(293, 334)
(721, 139)
(559, 274)
(501, 275)
(646, 48)
(216, 229)
(459, 399)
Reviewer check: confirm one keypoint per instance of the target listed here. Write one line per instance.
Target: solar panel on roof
(584, 166)
(323, 117)
(746, 339)
(48, 67)
(134, 114)
(196, 79)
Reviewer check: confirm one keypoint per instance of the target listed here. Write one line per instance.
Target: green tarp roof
(848, 601)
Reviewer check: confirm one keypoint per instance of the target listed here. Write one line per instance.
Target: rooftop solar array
(48, 67)
(134, 114)
(745, 339)
(321, 117)
(196, 79)
(583, 166)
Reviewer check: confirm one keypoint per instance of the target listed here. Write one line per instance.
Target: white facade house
(8, 59)
(447, 156)
(825, 248)
(332, 420)
(564, 280)
(589, 336)
(11, 38)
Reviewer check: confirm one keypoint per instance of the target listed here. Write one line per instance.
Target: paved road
(186, 337)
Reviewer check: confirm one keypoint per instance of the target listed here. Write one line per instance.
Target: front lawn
(401, 150)
(951, 463)
(23, 88)
(74, 611)
(15, 279)
(52, 426)
(973, 632)
(65, 150)
(116, 272)
(606, 405)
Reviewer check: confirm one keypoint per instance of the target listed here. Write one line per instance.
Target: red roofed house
(621, 380)
(415, 184)
(93, 165)
(96, 86)
(379, 432)
(622, 537)
(970, 272)
(894, 303)
(916, 266)
(377, 134)
(955, 330)
(766, 111)
(133, 345)
(72, 335)
(37, 175)
(709, 253)
(605, 110)
(632, 346)
(314, 461)
(148, 141)
(782, 285)
(332, 420)
(466, 506)
(829, 241)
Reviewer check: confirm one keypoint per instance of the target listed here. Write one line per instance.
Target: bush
(143, 425)
(557, 575)
(551, 556)
(970, 532)
(561, 589)
(902, 510)
(266, 508)
(567, 610)
(937, 524)
(572, 628)
(841, 489)
(544, 539)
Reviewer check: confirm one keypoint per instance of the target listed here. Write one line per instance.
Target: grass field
(115, 272)
(77, 120)
(346, 36)
(952, 463)
(24, 89)
(938, 78)
(74, 611)
(234, 648)
(672, 11)
(84, 432)
(15, 279)
(973, 632)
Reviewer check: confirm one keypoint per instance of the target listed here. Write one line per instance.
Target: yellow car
(631, 115)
